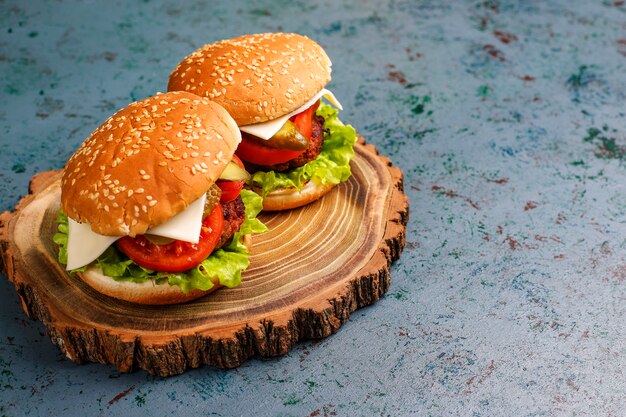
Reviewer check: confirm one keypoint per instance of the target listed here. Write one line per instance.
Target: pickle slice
(288, 137)
(234, 172)
(212, 199)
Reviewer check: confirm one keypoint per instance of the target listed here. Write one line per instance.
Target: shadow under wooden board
(315, 266)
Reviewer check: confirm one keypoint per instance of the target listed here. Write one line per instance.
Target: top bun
(255, 77)
(147, 163)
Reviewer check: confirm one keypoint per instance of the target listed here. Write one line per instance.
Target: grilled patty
(234, 214)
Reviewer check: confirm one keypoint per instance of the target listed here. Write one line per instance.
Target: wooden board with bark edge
(315, 266)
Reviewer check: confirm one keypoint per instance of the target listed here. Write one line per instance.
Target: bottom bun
(289, 198)
(147, 292)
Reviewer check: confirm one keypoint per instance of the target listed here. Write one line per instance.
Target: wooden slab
(313, 268)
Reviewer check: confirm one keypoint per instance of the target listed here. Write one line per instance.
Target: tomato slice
(254, 151)
(304, 120)
(176, 256)
(231, 189)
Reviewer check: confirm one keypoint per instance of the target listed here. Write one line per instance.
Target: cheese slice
(185, 225)
(84, 245)
(268, 129)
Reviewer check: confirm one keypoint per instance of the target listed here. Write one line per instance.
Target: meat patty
(234, 214)
(315, 147)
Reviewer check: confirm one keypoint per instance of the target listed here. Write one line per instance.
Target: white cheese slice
(268, 129)
(185, 225)
(84, 245)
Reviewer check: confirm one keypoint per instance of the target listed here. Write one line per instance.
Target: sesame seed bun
(147, 163)
(149, 292)
(255, 77)
(289, 198)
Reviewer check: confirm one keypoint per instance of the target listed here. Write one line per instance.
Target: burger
(152, 206)
(296, 147)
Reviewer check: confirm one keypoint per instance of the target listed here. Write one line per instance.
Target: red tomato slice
(252, 151)
(176, 256)
(304, 120)
(231, 189)
(237, 161)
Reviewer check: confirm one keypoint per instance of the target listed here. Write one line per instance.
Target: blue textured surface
(508, 119)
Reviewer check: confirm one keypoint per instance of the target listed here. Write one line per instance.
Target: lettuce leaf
(227, 263)
(332, 166)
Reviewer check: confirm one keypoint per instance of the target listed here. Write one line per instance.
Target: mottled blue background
(508, 119)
